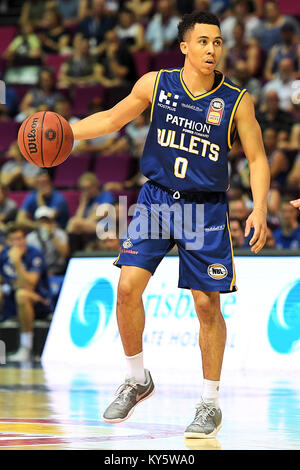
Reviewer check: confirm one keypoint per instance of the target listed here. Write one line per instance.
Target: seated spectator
(238, 210)
(270, 241)
(117, 63)
(43, 195)
(10, 108)
(50, 239)
(241, 12)
(8, 207)
(278, 161)
(111, 243)
(34, 10)
(81, 69)
(283, 84)
(161, 32)
(242, 50)
(44, 94)
(94, 26)
(141, 8)
(271, 116)
(274, 201)
(288, 48)
(288, 235)
(268, 32)
(293, 178)
(63, 107)
(129, 31)
(108, 144)
(25, 290)
(18, 173)
(136, 132)
(237, 234)
(54, 37)
(82, 226)
(292, 142)
(242, 77)
(71, 12)
(24, 47)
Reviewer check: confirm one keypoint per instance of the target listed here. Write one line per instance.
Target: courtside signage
(262, 317)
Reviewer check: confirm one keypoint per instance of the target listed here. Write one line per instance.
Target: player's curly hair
(190, 19)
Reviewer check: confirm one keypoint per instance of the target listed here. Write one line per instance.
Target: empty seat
(142, 60)
(130, 194)
(113, 168)
(7, 34)
(8, 132)
(82, 96)
(55, 61)
(18, 197)
(67, 174)
(168, 60)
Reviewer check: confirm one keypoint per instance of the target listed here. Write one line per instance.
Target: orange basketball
(45, 139)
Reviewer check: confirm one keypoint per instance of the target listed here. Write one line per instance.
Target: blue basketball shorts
(197, 223)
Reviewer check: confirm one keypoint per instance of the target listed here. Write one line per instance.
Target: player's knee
(126, 291)
(21, 296)
(205, 309)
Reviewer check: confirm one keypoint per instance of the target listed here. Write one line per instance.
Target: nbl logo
(167, 99)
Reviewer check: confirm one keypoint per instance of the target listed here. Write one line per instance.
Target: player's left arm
(251, 139)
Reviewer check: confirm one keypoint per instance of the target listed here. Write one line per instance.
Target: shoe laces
(203, 411)
(124, 390)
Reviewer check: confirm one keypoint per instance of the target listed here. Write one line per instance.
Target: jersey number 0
(180, 167)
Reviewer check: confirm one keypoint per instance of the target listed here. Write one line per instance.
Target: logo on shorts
(217, 271)
(215, 111)
(127, 243)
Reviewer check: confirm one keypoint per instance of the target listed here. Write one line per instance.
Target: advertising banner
(262, 318)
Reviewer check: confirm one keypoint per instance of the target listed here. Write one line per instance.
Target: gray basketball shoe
(128, 396)
(207, 422)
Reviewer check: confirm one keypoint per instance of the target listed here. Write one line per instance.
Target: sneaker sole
(120, 420)
(199, 435)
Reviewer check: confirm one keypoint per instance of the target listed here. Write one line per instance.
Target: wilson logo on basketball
(32, 136)
(50, 134)
(217, 271)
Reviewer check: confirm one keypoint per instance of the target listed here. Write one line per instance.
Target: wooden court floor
(62, 410)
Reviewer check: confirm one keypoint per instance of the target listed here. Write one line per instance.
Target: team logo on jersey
(127, 243)
(166, 98)
(217, 271)
(215, 111)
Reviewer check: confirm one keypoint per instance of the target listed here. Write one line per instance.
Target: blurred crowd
(79, 57)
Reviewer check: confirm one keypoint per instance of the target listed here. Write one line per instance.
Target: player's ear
(183, 47)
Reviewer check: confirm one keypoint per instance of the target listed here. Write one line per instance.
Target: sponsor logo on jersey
(165, 97)
(217, 271)
(215, 111)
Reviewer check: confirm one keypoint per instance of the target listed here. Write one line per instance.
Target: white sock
(135, 366)
(210, 393)
(26, 339)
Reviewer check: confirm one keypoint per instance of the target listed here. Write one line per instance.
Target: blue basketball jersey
(190, 136)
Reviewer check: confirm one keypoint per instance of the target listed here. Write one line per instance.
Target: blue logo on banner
(284, 321)
(91, 312)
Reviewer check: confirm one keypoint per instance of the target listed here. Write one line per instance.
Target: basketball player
(196, 113)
